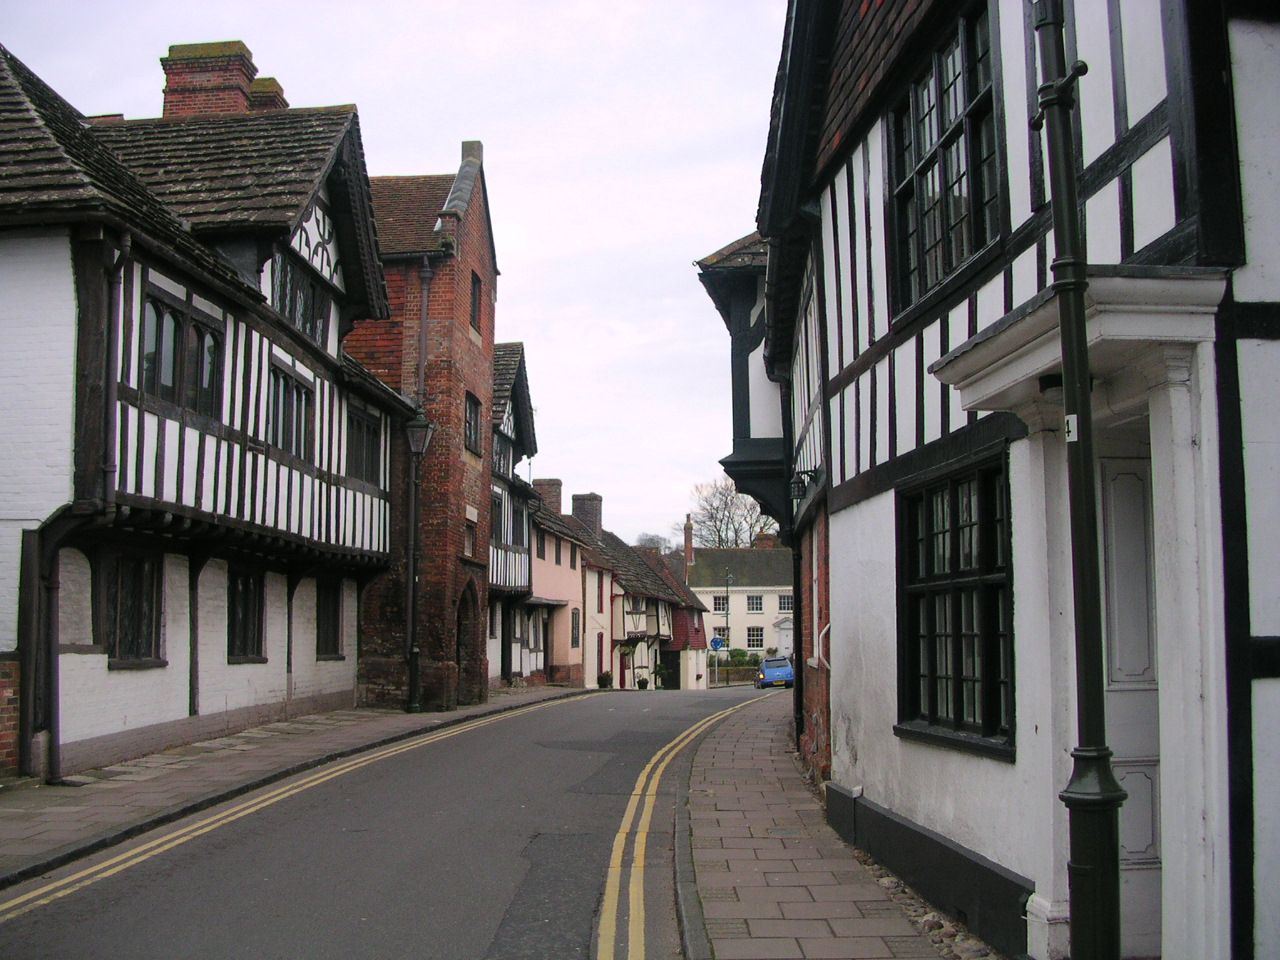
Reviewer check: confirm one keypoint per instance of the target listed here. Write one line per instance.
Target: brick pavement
(774, 879)
(42, 826)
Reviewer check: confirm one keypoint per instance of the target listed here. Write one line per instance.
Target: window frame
(956, 685)
(246, 589)
(109, 567)
(291, 410)
(786, 603)
(329, 603)
(187, 328)
(364, 445)
(755, 603)
(755, 638)
(477, 291)
(985, 196)
(472, 437)
(573, 555)
(575, 629)
(720, 603)
(295, 286)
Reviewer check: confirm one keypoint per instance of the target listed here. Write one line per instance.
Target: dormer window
(301, 297)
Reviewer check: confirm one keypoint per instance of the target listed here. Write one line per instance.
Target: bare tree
(654, 540)
(723, 517)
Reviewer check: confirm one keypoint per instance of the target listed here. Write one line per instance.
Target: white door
(1132, 697)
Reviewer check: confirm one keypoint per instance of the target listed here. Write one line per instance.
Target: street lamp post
(1092, 795)
(418, 431)
(728, 582)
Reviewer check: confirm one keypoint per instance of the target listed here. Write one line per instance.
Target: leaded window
(476, 290)
(328, 617)
(132, 608)
(957, 637)
(301, 297)
(179, 357)
(244, 615)
(945, 165)
(471, 424)
(364, 445)
(290, 413)
(575, 629)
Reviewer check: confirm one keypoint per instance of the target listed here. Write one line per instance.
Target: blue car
(775, 672)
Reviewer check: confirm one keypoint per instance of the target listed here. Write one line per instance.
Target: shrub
(605, 679)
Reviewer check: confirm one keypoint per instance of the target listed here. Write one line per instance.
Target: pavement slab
(786, 886)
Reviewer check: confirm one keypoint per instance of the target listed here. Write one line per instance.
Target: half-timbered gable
(516, 626)
(222, 479)
(911, 322)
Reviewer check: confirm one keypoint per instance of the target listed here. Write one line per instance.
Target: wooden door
(1132, 693)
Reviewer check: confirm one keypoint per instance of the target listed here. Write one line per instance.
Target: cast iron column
(1092, 796)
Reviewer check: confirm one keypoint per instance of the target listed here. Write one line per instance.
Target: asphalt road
(489, 843)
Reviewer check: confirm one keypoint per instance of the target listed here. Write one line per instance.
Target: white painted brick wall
(312, 677)
(95, 701)
(225, 686)
(37, 390)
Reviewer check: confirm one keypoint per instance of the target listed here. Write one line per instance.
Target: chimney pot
(688, 541)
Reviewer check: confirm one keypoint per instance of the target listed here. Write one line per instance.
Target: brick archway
(468, 652)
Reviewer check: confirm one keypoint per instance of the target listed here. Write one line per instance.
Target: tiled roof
(750, 566)
(221, 171)
(632, 572)
(511, 386)
(55, 168)
(569, 527)
(659, 565)
(748, 251)
(408, 213)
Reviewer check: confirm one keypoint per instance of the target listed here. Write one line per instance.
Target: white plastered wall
(1007, 812)
(94, 701)
(225, 686)
(37, 393)
(312, 677)
(1255, 67)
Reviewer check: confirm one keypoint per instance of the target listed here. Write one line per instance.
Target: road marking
(644, 797)
(56, 890)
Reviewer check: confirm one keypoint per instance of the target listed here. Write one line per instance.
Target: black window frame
(364, 445)
(542, 544)
(573, 555)
(194, 374)
(301, 296)
(291, 411)
(329, 618)
(496, 525)
(246, 589)
(131, 633)
(955, 622)
(575, 629)
(471, 436)
(952, 102)
(558, 543)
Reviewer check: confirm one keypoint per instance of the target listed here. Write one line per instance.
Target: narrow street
(490, 839)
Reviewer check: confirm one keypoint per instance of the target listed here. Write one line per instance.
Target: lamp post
(418, 431)
(1092, 795)
(728, 582)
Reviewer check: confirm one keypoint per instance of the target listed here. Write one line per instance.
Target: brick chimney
(688, 541)
(205, 78)
(765, 541)
(589, 508)
(550, 492)
(265, 93)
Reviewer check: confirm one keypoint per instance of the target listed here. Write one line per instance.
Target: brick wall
(459, 361)
(9, 674)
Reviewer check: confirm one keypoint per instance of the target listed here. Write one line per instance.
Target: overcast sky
(623, 141)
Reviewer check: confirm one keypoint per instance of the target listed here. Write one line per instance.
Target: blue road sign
(717, 643)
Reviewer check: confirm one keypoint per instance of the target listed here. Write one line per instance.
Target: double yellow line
(50, 892)
(643, 798)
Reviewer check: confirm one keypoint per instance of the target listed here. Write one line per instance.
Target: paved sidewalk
(43, 827)
(774, 880)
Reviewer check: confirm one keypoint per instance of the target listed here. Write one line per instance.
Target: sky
(622, 141)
